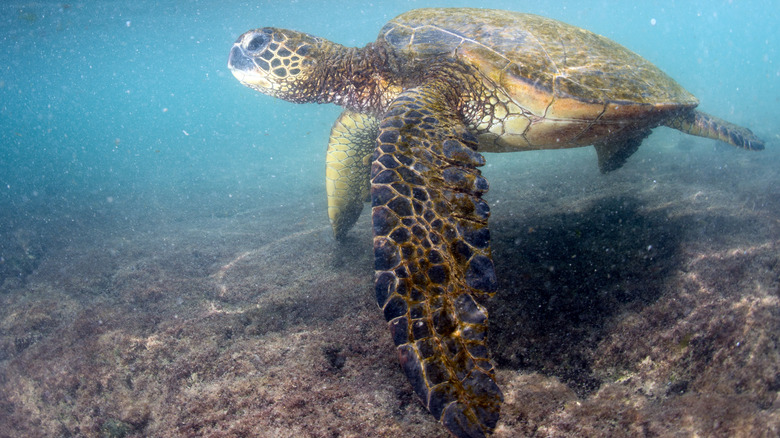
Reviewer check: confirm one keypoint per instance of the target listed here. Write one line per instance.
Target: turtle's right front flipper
(347, 166)
(432, 257)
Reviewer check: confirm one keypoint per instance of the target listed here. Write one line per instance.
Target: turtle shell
(551, 70)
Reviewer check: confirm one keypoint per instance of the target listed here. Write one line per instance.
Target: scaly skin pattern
(705, 125)
(347, 164)
(432, 257)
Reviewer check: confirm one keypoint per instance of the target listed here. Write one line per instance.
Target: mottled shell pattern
(544, 75)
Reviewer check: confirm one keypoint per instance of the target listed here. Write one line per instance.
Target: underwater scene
(168, 267)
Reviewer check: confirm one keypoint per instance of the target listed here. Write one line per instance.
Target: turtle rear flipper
(432, 256)
(613, 153)
(705, 125)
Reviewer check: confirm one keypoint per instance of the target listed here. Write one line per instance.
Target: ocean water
(103, 100)
(119, 117)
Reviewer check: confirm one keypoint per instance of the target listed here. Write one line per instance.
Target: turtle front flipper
(432, 257)
(347, 167)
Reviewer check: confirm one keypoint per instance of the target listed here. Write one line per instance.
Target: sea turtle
(436, 89)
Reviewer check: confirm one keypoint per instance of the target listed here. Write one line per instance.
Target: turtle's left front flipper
(432, 257)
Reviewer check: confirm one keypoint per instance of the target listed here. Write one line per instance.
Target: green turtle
(436, 89)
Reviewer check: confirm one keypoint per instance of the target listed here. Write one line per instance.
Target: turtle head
(276, 62)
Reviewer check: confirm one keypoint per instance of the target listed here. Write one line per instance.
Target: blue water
(101, 100)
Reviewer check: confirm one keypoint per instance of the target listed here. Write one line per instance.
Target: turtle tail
(704, 125)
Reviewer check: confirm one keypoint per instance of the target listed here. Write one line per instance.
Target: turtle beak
(238, 60)
(243, 64)
(246, 47)
(246, 71)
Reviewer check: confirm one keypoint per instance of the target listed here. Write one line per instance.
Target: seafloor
(640, 303)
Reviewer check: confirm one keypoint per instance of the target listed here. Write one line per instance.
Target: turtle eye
(257, 43)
